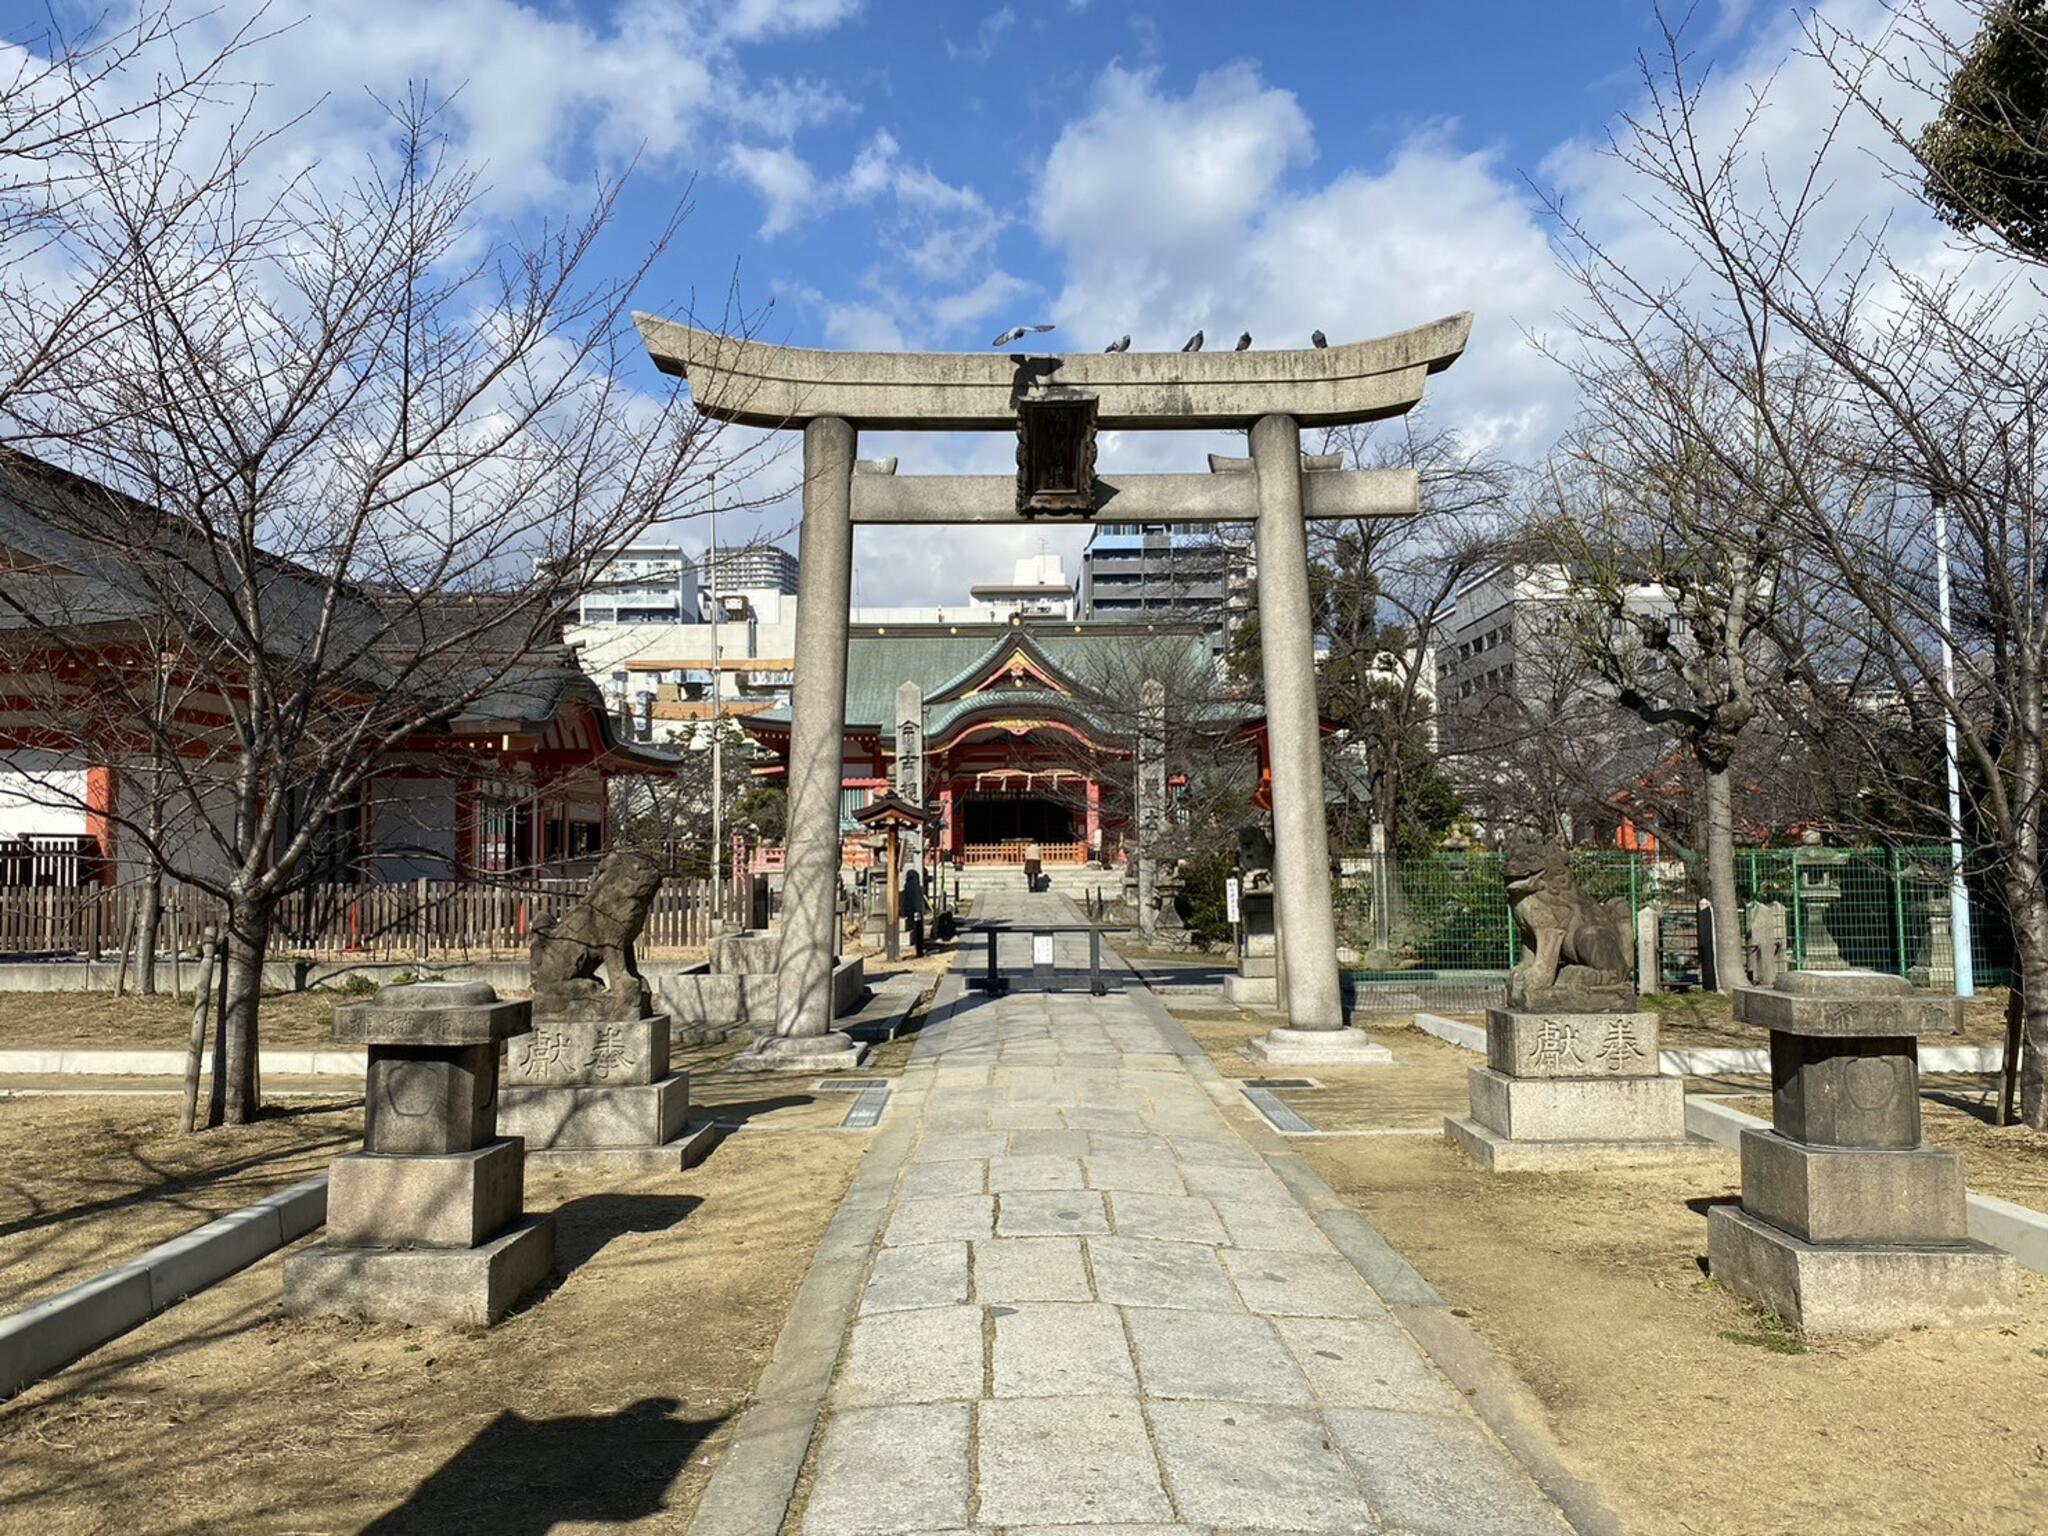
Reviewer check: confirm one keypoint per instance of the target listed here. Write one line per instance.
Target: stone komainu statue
(598, 931)
(1575, 950)
(1255, 856)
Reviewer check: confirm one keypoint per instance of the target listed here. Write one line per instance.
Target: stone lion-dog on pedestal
(597, 932)
(1575, 950)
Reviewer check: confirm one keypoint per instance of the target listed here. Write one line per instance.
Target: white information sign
(1041, 949)
(1230, 898)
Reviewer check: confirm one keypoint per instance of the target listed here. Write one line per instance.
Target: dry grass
(1686, 1409)
(605, 1401)
(86, 1184)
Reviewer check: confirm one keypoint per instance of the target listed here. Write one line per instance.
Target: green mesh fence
(1437, 932)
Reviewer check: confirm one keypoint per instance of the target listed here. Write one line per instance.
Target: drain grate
(865, 1113)
(1283, 1082)
(1278, 1115)
(848, 1084)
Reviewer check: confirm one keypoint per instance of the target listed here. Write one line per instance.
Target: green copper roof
(940, 659)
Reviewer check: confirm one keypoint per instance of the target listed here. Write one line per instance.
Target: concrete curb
(751, 1487)
(52, 1333)
(2018, 1230)
(66, 1063)
(1729, 1060)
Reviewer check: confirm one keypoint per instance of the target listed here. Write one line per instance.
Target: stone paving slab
(1068, 1461)
(1008, 1271)
(1093, 1307)
(1061, 1349)
(901, 1468)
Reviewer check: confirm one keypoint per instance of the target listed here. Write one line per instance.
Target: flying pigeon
(1121, 344)
(1319, 339)
(1244, 342)
(1194, 343)
(1016, 332)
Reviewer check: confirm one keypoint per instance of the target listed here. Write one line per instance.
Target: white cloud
(782, 177)
(537, 93)
(1181, 212)
(987, 37)
(939, 231)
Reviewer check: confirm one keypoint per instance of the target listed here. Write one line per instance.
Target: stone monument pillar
(424, 1225)
(1151, 773)
(810, 887)
(1571, 1077)
(1849, 1223)
(1766, 947)
(590, 1083)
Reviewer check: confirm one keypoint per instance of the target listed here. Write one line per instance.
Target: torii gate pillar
(1301, 839)
(817, 729)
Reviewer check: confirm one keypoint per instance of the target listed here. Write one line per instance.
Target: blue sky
(909, 173)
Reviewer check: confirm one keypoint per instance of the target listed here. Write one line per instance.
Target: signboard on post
(1230, 893)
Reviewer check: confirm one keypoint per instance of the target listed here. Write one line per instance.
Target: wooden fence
(419, 919)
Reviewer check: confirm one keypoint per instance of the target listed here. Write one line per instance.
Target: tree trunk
(146, 927)
(248, 932)
(1728, 973)
(2028, 904)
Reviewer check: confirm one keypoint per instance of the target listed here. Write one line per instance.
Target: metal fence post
(1798, 924)
(1898, 916)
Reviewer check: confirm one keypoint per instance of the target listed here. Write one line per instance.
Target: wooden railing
(1015, 850)
(417, 919)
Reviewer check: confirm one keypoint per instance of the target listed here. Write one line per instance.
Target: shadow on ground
(523, 1477)
(584, 1226)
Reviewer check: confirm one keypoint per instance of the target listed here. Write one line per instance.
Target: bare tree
(350, 458)
(1666, 511)
(1937, 389)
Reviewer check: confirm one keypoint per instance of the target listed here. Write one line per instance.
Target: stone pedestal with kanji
(599, 1092)
(1573, 1090)
(426, 1224)
(1849, 1222)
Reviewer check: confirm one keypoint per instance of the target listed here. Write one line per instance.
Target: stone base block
(832, 1052)
(1252, 991)
(1497, 1154)
(1520, 1044)
(640, 1115)
(577, 1052)
(687, 1150)
(1578, 1108)
(454, 1288)
(453, 1200)
(1859, 1287)
(429, 1098)
(1258, 967)
(1318, 1048)
(1839, 1195)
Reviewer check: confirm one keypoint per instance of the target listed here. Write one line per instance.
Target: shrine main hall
(1027, 729)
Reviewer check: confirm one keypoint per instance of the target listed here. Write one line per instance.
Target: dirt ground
(102, 1021)
(86, 1184)
(1689, 1412)
(605, 1401)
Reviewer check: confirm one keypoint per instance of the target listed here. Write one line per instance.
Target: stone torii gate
(1055, 404)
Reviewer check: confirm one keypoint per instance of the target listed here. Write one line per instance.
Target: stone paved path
(1093, 1305)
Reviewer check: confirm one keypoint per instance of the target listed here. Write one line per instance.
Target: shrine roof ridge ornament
(763, 385)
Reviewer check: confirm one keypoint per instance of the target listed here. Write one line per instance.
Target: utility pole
(1958, 888)
(717, 733)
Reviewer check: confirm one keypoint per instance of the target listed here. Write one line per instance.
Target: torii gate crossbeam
(1056, 403)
